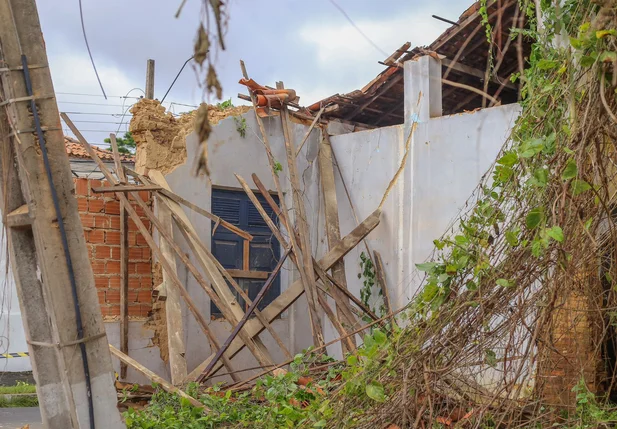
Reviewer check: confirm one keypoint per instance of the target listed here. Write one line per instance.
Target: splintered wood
(322, 280)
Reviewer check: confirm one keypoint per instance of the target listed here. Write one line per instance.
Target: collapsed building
(398, 158)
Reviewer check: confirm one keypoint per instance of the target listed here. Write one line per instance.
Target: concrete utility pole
(150, 80)
(59, 306)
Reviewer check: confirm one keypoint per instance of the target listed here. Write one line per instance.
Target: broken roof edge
(380, 101)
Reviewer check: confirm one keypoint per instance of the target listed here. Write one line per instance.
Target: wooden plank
(154, 378)
(244, 274)
(305, 250)
(173, 309)
(124, 188)
(305, 276)
(310, 129)
(245, 318)
(295, 290)
(150, 80)
(222, 222)
(381, 281)
(124, 261)
(333, 230)
(228, 304)
(117, 161)
(397, 54)
(246, 255)
(150, 241)
(462, 68)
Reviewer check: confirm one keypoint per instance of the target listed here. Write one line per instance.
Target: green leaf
(531, 148)
(579, 186)
(430, 291)
(608, 57)
(588, 223)
(490, 358)
(534, 217)
(603, 33)
(352, 360)
(508, 159)
(540, 177)
(427, 266)
(379, 337)
(570, 171)
(503, 283)
(547, 64)
(576, 44)
(587, 61)
(374, 390)
(512, 238)
(556, 233)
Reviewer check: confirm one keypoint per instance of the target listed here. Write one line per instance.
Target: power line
(176, 78)
(95, 95)
(90, 104)
(83, 29)
(358, 29)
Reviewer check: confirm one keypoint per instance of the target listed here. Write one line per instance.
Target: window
(249, 263)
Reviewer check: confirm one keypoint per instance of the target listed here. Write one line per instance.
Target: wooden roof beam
(462, 68)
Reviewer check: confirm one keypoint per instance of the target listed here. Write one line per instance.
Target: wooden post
(333, 230)
(150, 80)
(124, 262)
(36, 173)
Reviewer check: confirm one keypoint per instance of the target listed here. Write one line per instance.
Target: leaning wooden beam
(333, 230)
(178, 199)
(248, 314)
(300, 217)
(305, 276)
(124, 261)
(173, 309)
(318, 270)
(291, 294)
(153, 377)
(229, 316)
(227, 302)
(192, 241)
(149, 240)
(310, 129)
(381, 280)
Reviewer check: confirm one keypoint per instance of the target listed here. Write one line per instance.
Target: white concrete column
(422, 89)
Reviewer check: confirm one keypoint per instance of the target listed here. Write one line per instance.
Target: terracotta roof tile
(74, 149)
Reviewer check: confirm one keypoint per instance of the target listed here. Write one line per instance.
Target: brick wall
(100, 216)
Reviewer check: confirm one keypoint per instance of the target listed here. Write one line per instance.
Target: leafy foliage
(126, 144)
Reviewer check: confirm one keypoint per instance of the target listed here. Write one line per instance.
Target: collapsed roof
(464, 49)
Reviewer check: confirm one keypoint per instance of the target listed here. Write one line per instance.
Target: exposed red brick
(101, 296)
(101, 221)
(113, 267)
(146, 282)
(94, 183)
(114, 281)
(96, 237)
(143, 268)
(110, 310)
(113, 296)
(115, 252)
(112, 237)
(140, 240)
(146, 254)
(81, 187)
(112, 207)
(102, 252)
(135, 254)
(82, 205)
(141, 310)
(134, 283)
(96, 205)
(98, 267)
(101, 282)
(114, 221)
(87, 220)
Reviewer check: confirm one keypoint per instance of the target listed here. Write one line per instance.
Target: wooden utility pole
(59, 305)
(150, 80)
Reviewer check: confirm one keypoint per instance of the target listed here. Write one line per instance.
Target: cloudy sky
(308, 44)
